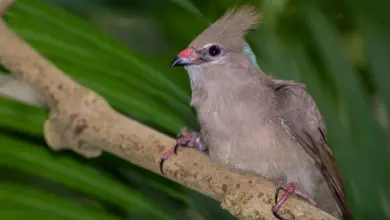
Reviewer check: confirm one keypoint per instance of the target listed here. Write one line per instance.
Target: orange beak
(185, 57)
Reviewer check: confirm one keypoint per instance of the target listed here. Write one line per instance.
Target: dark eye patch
(214, 51)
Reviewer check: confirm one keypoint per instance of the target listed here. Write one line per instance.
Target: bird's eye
(214, 50)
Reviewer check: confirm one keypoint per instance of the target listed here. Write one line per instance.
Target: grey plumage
(255, 123)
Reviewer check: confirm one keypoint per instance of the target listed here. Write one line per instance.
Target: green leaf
(38, 161)
(21, 198)
(186, 4)
(16, 213)
(373, 23)
(369, 142)
(11, 113)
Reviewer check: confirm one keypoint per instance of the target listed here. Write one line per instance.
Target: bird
(256, 123)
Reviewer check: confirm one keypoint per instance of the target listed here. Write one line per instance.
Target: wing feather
(305, 123)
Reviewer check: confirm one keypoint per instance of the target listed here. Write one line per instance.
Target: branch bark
(4, 4)
(83, 121)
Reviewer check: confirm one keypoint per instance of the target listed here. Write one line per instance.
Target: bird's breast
(247, 139)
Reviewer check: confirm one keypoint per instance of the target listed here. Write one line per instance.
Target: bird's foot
(185, 139)
(290, 189)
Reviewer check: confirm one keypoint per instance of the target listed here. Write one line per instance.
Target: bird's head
(221, 40)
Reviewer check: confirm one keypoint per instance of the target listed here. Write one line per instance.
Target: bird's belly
(260, 154)
(261, 148)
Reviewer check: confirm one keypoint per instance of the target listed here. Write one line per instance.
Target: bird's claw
(184, 139)
(278, 188)
(275, 213)
(166, 156)
(290, 189)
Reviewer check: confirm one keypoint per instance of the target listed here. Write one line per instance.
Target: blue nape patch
(249, 53)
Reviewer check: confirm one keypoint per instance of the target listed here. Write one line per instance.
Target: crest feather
(230, 29)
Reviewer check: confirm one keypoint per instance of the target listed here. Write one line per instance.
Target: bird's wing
(304, 122)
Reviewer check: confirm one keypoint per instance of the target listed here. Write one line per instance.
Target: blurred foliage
(340, 49)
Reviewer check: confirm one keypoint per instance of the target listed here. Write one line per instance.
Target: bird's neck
(209, 85)
(233, 70)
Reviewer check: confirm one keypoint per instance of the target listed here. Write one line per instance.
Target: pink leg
(185, 139)
(290, 189)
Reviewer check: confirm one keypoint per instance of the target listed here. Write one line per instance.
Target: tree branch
(83, 121)
(4, 4)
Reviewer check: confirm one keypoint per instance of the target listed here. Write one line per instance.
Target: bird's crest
(230, 29)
